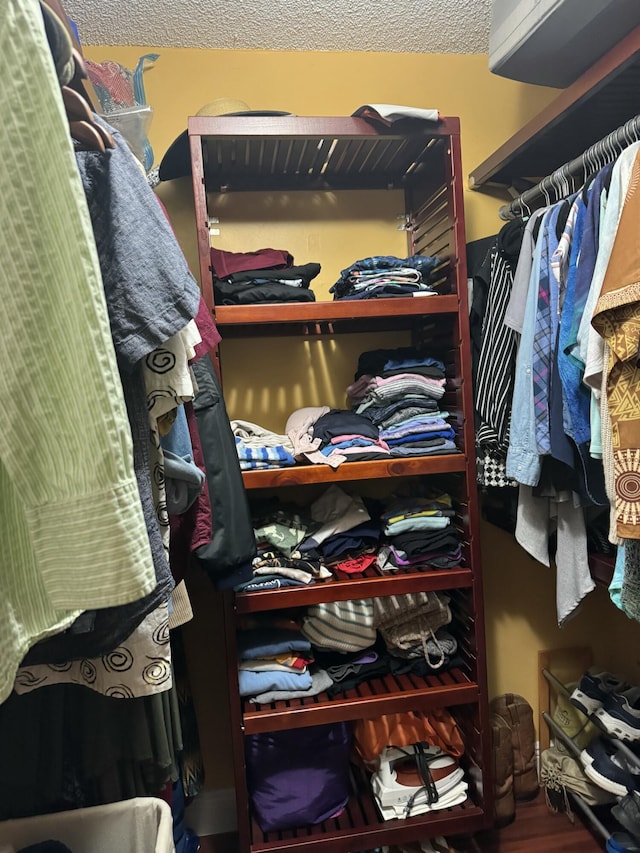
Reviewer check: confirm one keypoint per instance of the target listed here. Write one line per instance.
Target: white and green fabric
(71, 521)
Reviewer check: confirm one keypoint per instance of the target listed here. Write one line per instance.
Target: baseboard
(212, 812)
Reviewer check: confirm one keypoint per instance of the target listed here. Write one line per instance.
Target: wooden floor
(535, 830)
(538, 830)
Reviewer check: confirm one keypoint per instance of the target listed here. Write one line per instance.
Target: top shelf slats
(290, 152)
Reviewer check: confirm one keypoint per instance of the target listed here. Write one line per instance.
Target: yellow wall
(519, 592)
(491, 108)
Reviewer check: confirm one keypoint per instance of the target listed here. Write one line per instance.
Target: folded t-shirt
(265, 642)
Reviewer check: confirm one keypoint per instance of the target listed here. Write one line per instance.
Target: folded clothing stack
(398, 391)
(272, 655)
(385, 276)
(263, 276)
(419, 533)
(345, 434)
(346, 535)
(260, 448)
(278, 532)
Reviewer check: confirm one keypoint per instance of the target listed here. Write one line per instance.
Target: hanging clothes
(74, 536)
(617, 319)
(496, 362)
(151, 296)
(574, 444)
(550, 452)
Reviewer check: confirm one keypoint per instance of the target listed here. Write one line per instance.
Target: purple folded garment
(298, 777)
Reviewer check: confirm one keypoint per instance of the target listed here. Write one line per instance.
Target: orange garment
(617, 319)
(437, 728)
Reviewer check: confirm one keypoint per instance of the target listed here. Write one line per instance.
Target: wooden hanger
(84, 128)
(87, 135)
(77, 103)
(82, 122)
(80, 116)
(76, 107)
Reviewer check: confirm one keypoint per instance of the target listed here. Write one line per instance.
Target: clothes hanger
(71, 70)
(80, 116)
(557, 185)
(76, 107)
(87, 135)
(526, 207)
(630, 131)
(81, 74)
(570, 178)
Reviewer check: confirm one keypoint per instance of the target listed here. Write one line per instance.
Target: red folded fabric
(226, 263)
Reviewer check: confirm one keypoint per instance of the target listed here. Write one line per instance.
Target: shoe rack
(612, 840)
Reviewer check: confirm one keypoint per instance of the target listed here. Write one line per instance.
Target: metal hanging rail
(573, 174)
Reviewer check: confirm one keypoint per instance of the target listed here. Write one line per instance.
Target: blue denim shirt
(523, 461)
(576, 396)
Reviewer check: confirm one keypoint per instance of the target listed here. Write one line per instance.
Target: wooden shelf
(599, 101)
(360, 827)
(299, 475)
(390, 694)
(306, 313)
(372, 583)
(313, 152)
(278, 154)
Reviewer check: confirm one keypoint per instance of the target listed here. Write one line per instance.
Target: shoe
(619, 714)
(593, 689)
(604, 765)
(627, 813)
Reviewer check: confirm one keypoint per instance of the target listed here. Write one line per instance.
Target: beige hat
(222, 107)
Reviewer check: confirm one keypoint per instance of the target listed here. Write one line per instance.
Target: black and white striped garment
(495, 377)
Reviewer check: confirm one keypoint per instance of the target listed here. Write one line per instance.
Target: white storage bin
(141, 825)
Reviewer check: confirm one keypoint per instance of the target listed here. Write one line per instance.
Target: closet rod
(562, 182)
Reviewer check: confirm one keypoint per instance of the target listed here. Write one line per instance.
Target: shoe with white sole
(594, 688)
(619, 714)
(610, 769)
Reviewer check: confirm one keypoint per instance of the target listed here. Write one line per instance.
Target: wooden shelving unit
(231, 154)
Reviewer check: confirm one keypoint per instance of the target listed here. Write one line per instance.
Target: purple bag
(299, 776)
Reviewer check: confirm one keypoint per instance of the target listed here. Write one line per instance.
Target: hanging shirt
(523, 459)
(72, 528)
(617, 319)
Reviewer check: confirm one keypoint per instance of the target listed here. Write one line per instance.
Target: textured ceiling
(411, 26)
